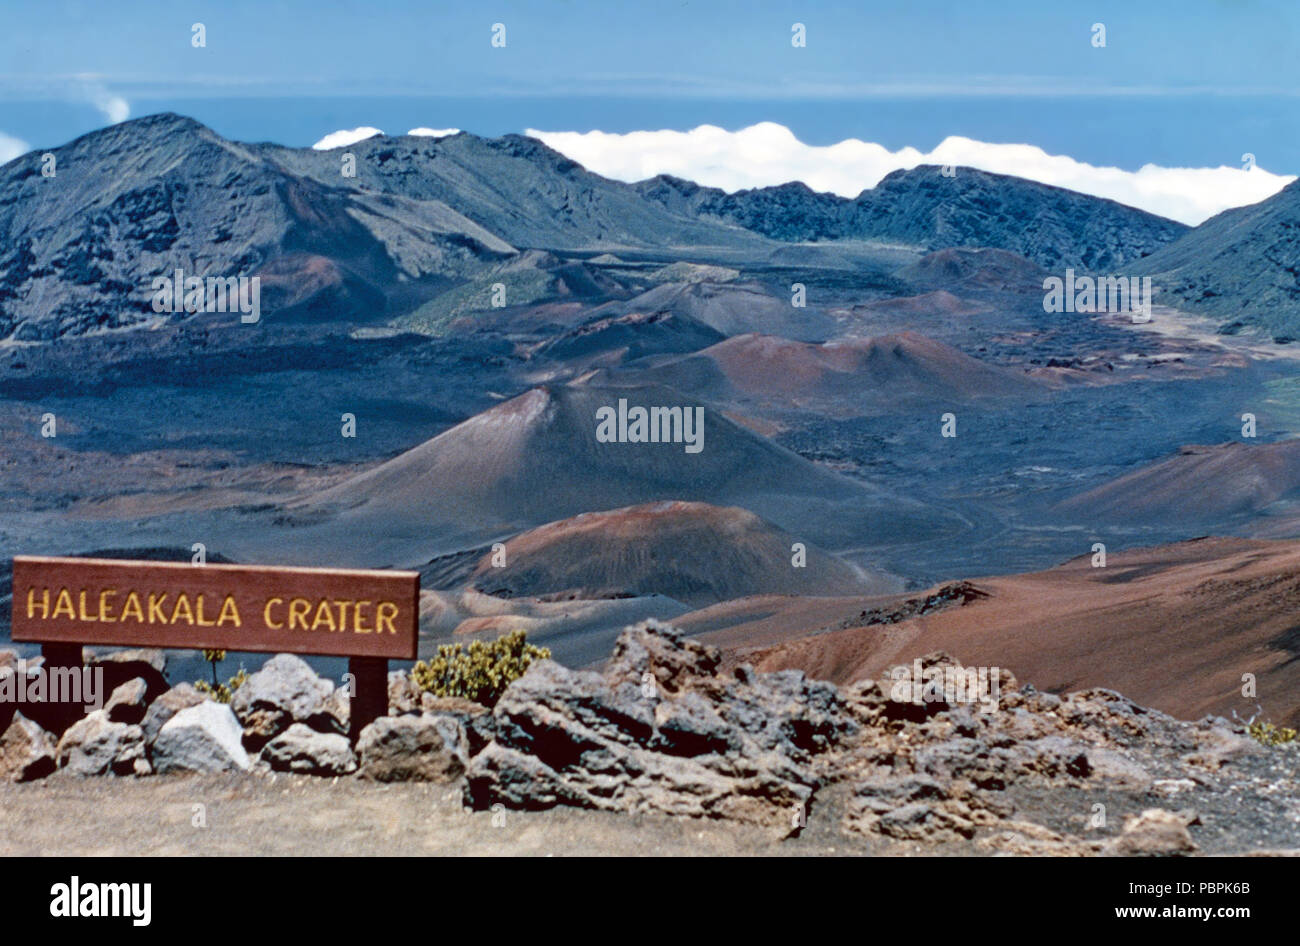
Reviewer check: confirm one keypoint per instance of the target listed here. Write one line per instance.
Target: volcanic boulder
(659, 730)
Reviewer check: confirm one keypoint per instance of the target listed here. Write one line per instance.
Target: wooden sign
(324, 611)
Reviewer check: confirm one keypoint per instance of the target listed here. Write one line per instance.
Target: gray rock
(95, 745)
(1056, 757)
(919, 821)
(1119, 771)
(121, 666)
(26, 751)
(474, 717)
(660, 730)
(425, 748)
(1172, 786)
(335, 716)
(126, 704)
(1154, 833)
(301, 749)
(285, 691)
(205, 737)
(1219, 745)
(182, 696)
(403, 694)
(149, 656)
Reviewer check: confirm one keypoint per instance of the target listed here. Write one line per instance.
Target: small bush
(222, 692)
(1269, 734)
(480, 672)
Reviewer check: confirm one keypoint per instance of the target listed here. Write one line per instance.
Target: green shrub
(480, 672)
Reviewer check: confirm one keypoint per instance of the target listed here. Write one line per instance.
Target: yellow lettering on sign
(298, 609)
(323, 616)
(266, 613)
(63, 604)
(199, 617)
(116, 605)
(229, 611)
(103, 606)
(45, 603)
(132, 608)
(183, 599)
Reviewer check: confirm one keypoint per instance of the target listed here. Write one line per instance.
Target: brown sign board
(324, 611)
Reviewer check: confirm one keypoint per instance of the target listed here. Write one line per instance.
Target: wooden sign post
(370, 617)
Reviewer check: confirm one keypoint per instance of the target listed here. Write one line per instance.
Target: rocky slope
(969, 759)
(1052, 226)
(144, 198)
(1242, 267)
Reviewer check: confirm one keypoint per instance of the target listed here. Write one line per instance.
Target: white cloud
(114, 108)
(767, 153)
(433, 132)
(11, 148)
(344, 137)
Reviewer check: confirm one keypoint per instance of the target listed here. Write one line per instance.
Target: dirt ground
(268, 814)
(296, 815)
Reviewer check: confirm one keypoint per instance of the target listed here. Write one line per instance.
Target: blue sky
(1193, 83)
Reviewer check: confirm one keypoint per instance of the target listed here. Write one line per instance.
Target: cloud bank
(10, 148)
(345, 137)
(350, 136)
(767, 154)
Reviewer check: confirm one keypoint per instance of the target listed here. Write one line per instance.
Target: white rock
(205, 737)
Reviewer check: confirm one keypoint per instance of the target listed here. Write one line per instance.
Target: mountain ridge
(906, 206)
(423, 215)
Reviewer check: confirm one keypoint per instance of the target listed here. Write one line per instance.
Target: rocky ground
(660, 752)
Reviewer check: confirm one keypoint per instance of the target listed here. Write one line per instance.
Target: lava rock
(26, 751)
(182, 696)
(424, 748)
(662, 729)
(301, 749)
(1154, 833)
(127, 704)
(285, 691)
(95, 745)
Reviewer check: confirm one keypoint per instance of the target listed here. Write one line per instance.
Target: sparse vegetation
(1269, 734)
(1265, 733)
(480, 672)
(221, 692)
